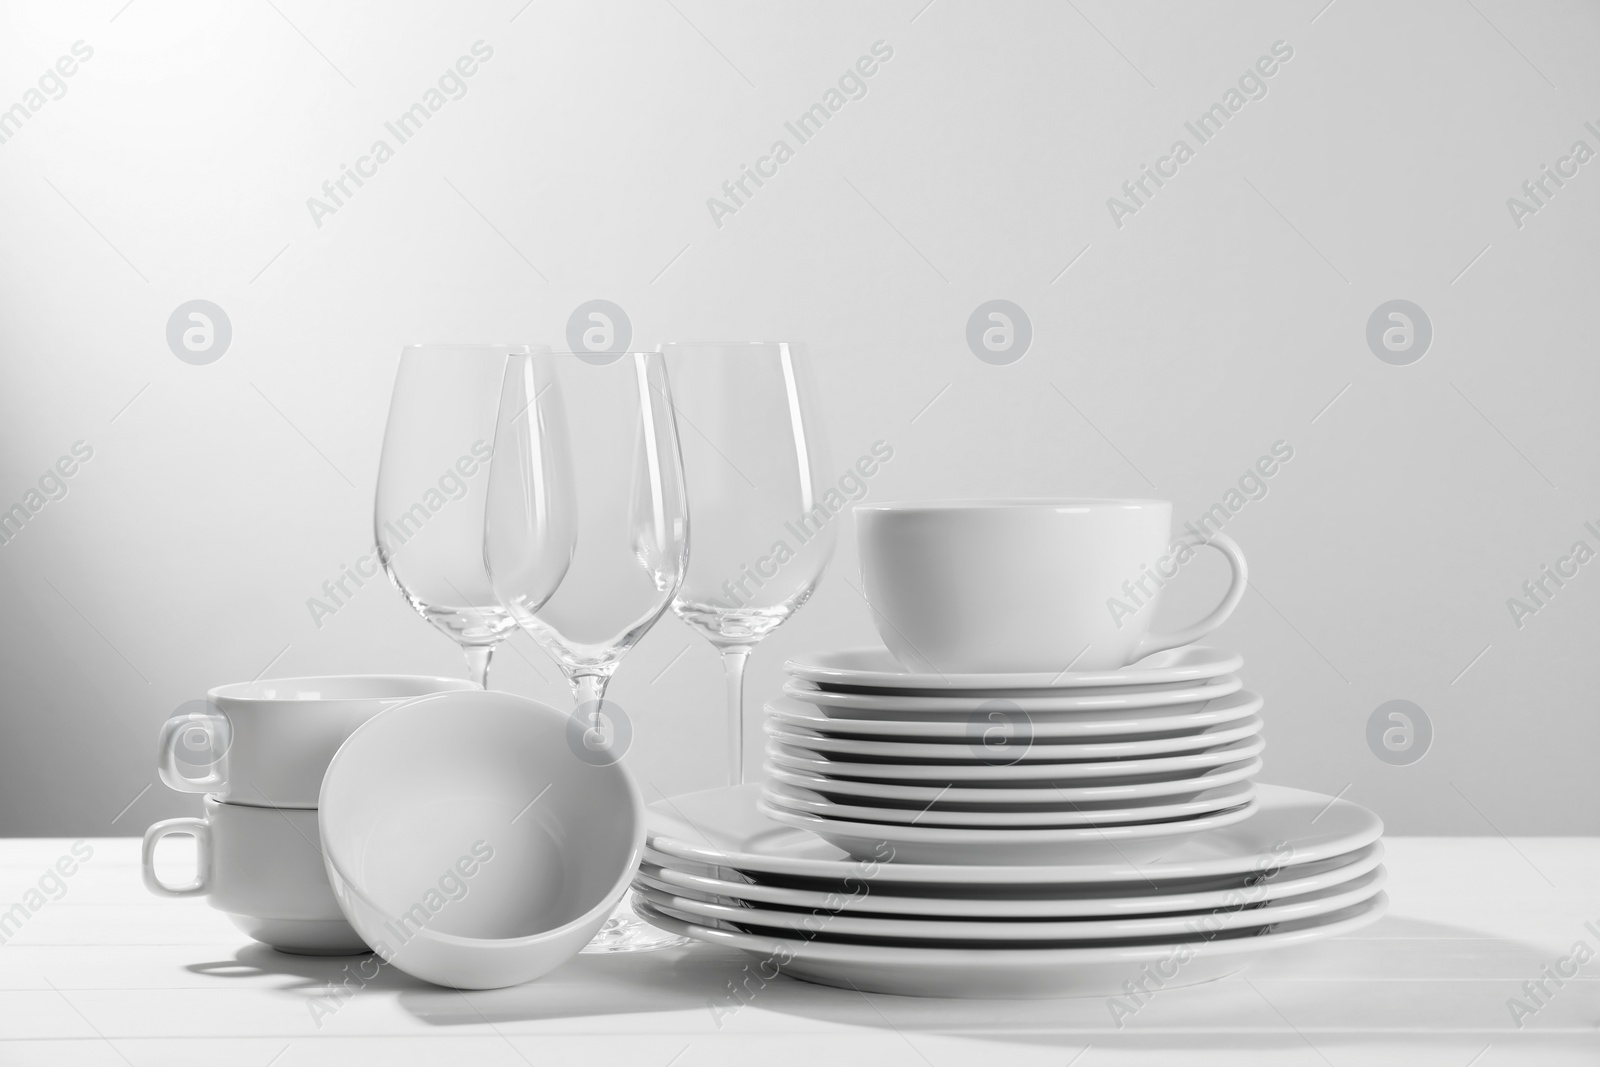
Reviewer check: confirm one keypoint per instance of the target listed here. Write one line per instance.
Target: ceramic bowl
(474, 841)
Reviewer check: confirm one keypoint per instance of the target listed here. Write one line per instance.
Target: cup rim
(239, 691)
(1060, 504)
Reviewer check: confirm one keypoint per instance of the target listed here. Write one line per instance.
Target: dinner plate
(1059, 774)
(1107, 725)
(875, 668)
(1091, 970)
(899, 705)
(835, 925)
(1005, 743)
(1129, 842)
(724, 828)
(1028, 902)
(793, 798)
(1003, 798)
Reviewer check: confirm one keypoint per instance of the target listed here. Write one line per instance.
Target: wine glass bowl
(755, 463)
(586, 527)
(428, 511)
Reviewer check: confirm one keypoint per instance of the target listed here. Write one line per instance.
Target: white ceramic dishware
(470, 840)
(871, 896)
(1036, 796)
(724, 828)
(1097, 969)
(268, 742)
(794, 798)
(867, 669)
(261, 867)
(832, 925)
(1078, 726)
(1184, 765)
(1128, 842)
(1028, 585)
(977, 745)
(853, 705)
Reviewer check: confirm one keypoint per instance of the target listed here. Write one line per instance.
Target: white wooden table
(108, 974)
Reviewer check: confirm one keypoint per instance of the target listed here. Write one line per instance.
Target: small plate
(1248, 911)
(1131, 843)
(1002, 798)
(1080, 726)
(810, 802)
(1004, 743)
(1058, 774)
(723, 828)
(1040, 902)
(1092, 970)
(875, 668)
(872, 705)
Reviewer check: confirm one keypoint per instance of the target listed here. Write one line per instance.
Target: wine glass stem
(478, 657)
(733, 659)
(589, 687)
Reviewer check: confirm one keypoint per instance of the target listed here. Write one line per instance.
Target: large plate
(1007, 742)
(794, 798)
(1185, 765)
(1107, 725)
(899, 705)
(1027, 902)
(1129, 842)
(875, 668)
(1100, 970)
(1005, 798)
(723, 828)
(832, 925)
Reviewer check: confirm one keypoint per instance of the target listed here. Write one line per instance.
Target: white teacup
(1027, 585)
(268, 743)
(263, 868)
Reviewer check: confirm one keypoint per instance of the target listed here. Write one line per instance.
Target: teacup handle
(201, 831)
(173, 733)
(1189, 634)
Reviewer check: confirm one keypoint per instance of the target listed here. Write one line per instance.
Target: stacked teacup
(1021, 711)
(258, 751)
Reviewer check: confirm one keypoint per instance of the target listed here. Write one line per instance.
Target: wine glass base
(624, 931)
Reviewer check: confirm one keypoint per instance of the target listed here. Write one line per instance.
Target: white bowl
(470, 845)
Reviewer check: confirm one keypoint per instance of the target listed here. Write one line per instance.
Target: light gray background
(1228, 314)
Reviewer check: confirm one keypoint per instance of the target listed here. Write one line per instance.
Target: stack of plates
(1302, 867)
(1076, 767)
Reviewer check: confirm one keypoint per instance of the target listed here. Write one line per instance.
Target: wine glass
(754, 461)
(432, 489)
(586, 533)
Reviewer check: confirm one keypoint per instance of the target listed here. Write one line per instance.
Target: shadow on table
(307, 974)
(1401, 975)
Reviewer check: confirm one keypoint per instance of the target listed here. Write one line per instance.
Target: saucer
(1033, 796)
(1108, 725)
(1043, 774)
(1094, 969)
(852, 704)
(794, 798)
(832, 925)
(875, 668)
(1031, 902)
(973, 747)
(723, 828)
(1131, 843)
